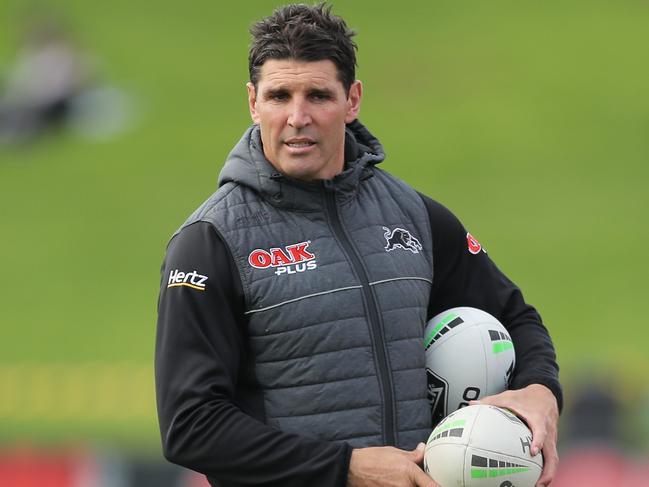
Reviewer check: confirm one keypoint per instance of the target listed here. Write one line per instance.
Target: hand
(538, 407)
(386, 466)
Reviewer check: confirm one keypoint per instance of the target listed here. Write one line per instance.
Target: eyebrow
(321, 91)
(272, 92)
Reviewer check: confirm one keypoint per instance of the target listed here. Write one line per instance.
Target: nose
(299, 116)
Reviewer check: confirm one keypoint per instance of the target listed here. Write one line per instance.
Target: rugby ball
(482, 446)
(469, 355)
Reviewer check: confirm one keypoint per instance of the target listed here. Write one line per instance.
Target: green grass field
(530, 121)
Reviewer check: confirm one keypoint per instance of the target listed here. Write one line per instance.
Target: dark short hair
(304, 33)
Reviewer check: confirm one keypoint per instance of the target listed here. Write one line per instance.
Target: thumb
(485, 400)
(417, 455)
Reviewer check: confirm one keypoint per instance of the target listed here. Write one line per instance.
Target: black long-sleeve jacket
(212, 424)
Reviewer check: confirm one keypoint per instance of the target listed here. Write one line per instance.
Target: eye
(278, 96)
(320, 96)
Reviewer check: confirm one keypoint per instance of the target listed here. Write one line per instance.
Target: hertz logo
(192, 279)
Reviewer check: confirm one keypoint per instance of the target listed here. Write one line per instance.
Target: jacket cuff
(344, 471)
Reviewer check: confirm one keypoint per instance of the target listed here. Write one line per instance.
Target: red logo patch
(277, 257)
(474, 245)
(288, 260)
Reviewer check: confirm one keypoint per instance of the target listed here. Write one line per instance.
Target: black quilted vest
(337, 277)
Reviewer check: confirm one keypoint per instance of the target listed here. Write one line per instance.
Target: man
(289, 348)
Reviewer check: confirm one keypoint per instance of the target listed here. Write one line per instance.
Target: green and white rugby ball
(482, 446)
(469, 355)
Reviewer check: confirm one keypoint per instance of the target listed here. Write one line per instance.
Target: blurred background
(529, 120)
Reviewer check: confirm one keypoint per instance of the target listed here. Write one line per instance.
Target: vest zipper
(376, 329)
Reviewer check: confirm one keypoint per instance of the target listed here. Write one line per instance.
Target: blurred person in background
(54, 85)
(293, 302)
(49, 73)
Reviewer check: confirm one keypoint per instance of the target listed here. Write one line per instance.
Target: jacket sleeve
(200, 349)
(464, 278)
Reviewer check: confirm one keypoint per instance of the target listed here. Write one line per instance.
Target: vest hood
(246, 165)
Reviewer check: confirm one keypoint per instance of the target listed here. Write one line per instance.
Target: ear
(252, 102)
(354, 101)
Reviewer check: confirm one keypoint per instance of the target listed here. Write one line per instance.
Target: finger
(536, 447)
(490, 400)
(486, 402)
(539, 435)
(502, 400)
(550, 465)
(422, 479)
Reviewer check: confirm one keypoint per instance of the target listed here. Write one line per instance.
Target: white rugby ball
(469, 355)
(482, 446)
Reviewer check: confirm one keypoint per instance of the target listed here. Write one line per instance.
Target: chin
(302, 175)
(298, 170)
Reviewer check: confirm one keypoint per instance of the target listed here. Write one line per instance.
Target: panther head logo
(400, 238)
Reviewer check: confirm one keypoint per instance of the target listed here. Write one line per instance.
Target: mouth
(299, 142)
(298, 145)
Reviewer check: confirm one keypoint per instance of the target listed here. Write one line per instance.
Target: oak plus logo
(287, 260)
(192, 279)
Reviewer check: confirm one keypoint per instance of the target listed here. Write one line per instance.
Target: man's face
(301, 108)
